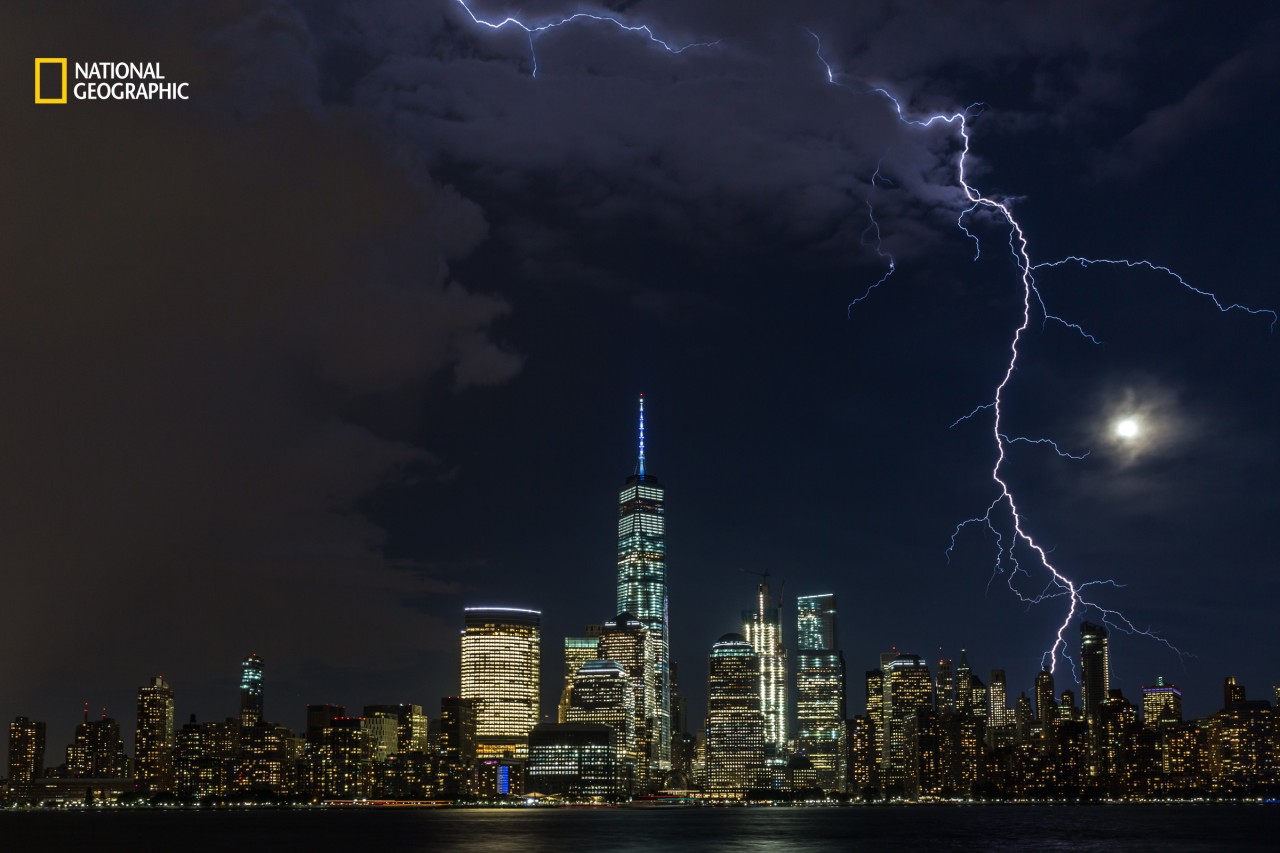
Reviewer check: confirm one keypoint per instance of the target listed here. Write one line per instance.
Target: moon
(1127, 428)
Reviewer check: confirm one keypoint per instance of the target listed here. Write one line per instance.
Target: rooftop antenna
(640, 464)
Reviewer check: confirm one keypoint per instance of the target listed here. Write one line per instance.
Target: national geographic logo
(104, 81)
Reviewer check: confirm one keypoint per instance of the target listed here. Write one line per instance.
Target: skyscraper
(735, 723)
(97, 751)
(998, 699)
(642, 580)
(762, 626)
(251, 691)
(908, 688)
(1046, 707)
(964, 689)
(153, 737)
(944, 686)
(820, 690)
(26, 755)
(1162, 700)
(603, 693)
(626, 641)
(501, 649)
(577, 651)
(1095, 666)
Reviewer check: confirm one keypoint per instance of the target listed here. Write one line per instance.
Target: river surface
(732, 830)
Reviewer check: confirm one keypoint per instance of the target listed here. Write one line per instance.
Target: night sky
(352, 339)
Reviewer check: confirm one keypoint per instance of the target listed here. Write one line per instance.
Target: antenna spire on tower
(640, 464)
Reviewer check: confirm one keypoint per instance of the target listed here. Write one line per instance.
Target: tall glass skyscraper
(820, 692)
(735, 726)
(642, 581)
(501, 653)
(763, 629)
(1095, 666)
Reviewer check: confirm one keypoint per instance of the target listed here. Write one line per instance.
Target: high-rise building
(820, 690)
(944, 686)
(735, 722)
(411, 725)
(97, 751)
(251, 691)
(577, 651)
(153, 737)
(626, 641)
(457, 747)
(762, 626)
(875, 717)
(816, 622)
(1046, 708)
(998, 700)
(501, 649)
(383, 730)
(964, 690)
(1161, 701)
(642, 581)
(603, 694)
(26, 756)
(576, 760)
(1095, 667)
(204, 756)
(1232, 691)
(908, 688)
(1241, 746)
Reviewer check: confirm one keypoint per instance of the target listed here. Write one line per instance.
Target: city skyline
(349, 340)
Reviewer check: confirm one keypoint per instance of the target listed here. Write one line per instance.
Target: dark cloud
(195, 295)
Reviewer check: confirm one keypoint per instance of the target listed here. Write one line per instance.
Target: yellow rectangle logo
(45, 97)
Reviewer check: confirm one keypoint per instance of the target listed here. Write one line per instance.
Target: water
(1166, 828)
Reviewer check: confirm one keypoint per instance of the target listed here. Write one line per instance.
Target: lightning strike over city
(1013, 526)
(486, 421)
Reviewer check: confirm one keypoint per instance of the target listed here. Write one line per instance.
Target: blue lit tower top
(640, 464)
(642, 577)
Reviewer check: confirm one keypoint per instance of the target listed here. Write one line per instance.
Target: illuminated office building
(998, 700)
(1161, 701)
(251, 691)
(964, 688)
(26, 755)
(577, 651)
(1046, 708)
(820, 690)
(1095, 667)
(908, 688)
(627, 641)
(573, 760)
(762, 627)
(500, 658)
(735, 723)
(944, 686)
(642, 582)
(603, 693)
(875, 716)
(410, 722)
(268, 759)
(153, 737)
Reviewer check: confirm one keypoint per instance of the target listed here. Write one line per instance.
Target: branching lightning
(532, 31)
(1002, 517)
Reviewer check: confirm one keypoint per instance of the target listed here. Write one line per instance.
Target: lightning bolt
(1011, 524)
(532, 31)
(1002, 517)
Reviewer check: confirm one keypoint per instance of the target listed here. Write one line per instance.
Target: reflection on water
(1181, 829)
